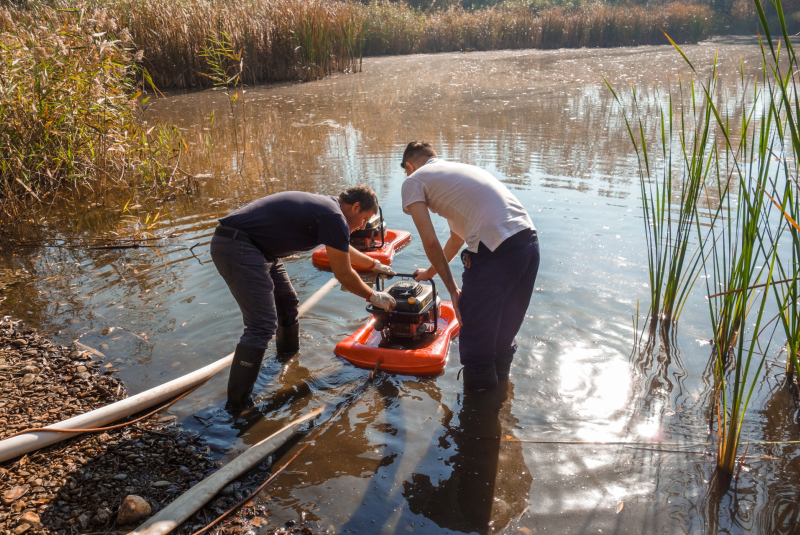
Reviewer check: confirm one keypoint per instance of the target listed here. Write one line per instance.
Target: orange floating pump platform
(412, 339)
(374, 240)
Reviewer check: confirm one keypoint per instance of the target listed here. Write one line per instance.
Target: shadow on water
(485, 490)
(781, 514)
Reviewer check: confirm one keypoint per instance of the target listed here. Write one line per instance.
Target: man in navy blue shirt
(247, 249)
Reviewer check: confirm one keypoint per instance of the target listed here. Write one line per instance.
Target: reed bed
(749, 241)
(279, 39)
(394, 29)
(307, 39)
(68, 107)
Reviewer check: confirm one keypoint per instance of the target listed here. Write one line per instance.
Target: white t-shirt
(477, 206)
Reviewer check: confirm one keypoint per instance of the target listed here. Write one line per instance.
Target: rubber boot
(244, 373)
(502, 364)
(287, 339)
(477, 378)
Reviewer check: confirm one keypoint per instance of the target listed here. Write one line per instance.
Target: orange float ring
(366, 347)
(384, 255)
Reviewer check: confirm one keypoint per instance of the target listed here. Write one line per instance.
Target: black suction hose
(381, 222)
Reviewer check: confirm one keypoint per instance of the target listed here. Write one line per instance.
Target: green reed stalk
(668, 228)
(787, 117)
(735, 267)
(735, 256)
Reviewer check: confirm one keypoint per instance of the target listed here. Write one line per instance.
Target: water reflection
(487, 484)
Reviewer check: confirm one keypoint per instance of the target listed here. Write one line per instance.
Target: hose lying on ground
(34, 439)
(194, 498)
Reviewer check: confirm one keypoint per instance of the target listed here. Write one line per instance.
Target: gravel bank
(81, 484)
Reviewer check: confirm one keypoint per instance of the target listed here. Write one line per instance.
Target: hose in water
(354, 396)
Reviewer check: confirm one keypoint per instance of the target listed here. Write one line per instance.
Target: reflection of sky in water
(544, 124)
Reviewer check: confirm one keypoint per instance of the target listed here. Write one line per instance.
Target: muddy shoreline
(79, 485)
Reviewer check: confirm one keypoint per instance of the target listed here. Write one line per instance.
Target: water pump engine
(416, 314)
(372, 236)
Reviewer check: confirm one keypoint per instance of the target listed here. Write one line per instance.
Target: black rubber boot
(502, 364)
(477, 378)
(244, 373)
(287, 339)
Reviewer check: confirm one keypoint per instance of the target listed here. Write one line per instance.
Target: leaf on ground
(620, 507)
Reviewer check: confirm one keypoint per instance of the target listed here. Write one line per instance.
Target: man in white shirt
(500, 262)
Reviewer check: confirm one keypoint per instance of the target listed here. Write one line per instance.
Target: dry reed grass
(307, 39)
(394, 29)
(279, 39)
(68, 103)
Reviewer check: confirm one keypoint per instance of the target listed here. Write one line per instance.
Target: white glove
(382, 300)
(382, 269)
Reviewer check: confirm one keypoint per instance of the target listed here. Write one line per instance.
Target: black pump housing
(417, 311)
(372, 236)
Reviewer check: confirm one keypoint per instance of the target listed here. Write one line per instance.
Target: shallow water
(415, 455)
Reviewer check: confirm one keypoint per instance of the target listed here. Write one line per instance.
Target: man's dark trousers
(496, 290)
(261, 287)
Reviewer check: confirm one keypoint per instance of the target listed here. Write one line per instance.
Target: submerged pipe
(21, 444)
(196, 497)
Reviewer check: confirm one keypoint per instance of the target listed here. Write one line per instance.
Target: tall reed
(735, 257)
(686, 156)
(68, 106)
(783, 87)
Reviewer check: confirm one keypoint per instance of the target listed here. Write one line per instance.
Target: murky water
(414, 455)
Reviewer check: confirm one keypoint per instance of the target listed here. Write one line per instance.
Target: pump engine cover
(411, 296)
(394, 239)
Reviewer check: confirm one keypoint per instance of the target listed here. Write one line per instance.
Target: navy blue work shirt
(290, 222)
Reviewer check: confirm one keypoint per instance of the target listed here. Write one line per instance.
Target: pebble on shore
(79, 485)
(103, 482)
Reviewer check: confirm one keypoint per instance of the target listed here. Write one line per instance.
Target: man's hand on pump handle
(382, 269)
(382, 299)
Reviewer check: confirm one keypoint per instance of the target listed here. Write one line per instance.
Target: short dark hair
(415, 149)
(362, 194)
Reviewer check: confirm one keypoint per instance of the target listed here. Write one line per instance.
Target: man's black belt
(234, 234)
